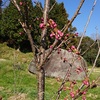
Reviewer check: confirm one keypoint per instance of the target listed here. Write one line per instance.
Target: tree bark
(41, 84)
(41, 72)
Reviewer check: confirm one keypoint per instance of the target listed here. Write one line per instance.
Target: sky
(80, 21)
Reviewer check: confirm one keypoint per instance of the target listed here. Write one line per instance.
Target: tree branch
(89, 17)
(75, 15)
(52, 6)
(73, 18)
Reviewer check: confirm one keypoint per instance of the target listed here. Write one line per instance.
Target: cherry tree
(41, 54)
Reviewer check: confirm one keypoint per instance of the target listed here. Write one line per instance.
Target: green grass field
(16, 83)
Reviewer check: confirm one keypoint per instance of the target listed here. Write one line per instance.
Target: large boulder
(62, 62)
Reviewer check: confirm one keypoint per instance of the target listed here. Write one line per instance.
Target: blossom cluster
(56, 33)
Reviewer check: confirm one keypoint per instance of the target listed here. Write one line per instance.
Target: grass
(14, 80)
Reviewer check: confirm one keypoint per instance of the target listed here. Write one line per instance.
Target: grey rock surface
(62, 62)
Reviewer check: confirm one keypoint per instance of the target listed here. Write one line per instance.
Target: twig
(45, 16)
(63, 82)
(75, 15)
(89, 73)
(95, 83)
(73, 18)
(39, 5)
(28, 32)
(16, 5)
(43, 35)
(88, 48)
(95, 62)
(65, 78)
(63, 41)
(52, 6)
(97, 37)
(85, 28)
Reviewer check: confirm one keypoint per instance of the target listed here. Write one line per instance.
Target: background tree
(0, 15)
(11, 30)
(92, 48)
(0, 8)
(11, 27)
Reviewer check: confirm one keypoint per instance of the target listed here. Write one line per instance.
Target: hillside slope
(16, 83)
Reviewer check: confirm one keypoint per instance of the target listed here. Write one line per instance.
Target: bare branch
(95, 62)
(64, 81)
(89, 73)
(47, 55)
(24, 25)
(97, 37)
(28, 32)
(44, 32)
(45, 16)
(75, 15)
(16, 5)
(85, 28)
(52, 6)
(89, 48)
(39, 5)
(95, 83)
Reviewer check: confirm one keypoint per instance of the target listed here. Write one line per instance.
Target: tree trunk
(41, 84)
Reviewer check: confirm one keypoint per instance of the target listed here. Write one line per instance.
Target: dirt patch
(18, 97)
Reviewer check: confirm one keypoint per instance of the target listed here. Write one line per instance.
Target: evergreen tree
(0, 8)
(92, 52)
(0, 14)
(11, 30)
(11, 27)
(60, 15)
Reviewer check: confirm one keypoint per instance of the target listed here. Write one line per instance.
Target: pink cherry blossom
(42, 19)
(51, 26)
(51, 46)
(72, 94)
(20, 33)
(52, 34)
(60, 33)
(84, 92)
(53, 22)
(21, 3)
(76, 34)
(55, 25)
(85, 82)
(72, 47)
(42, 25)
(57, 36)
(67, 35)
